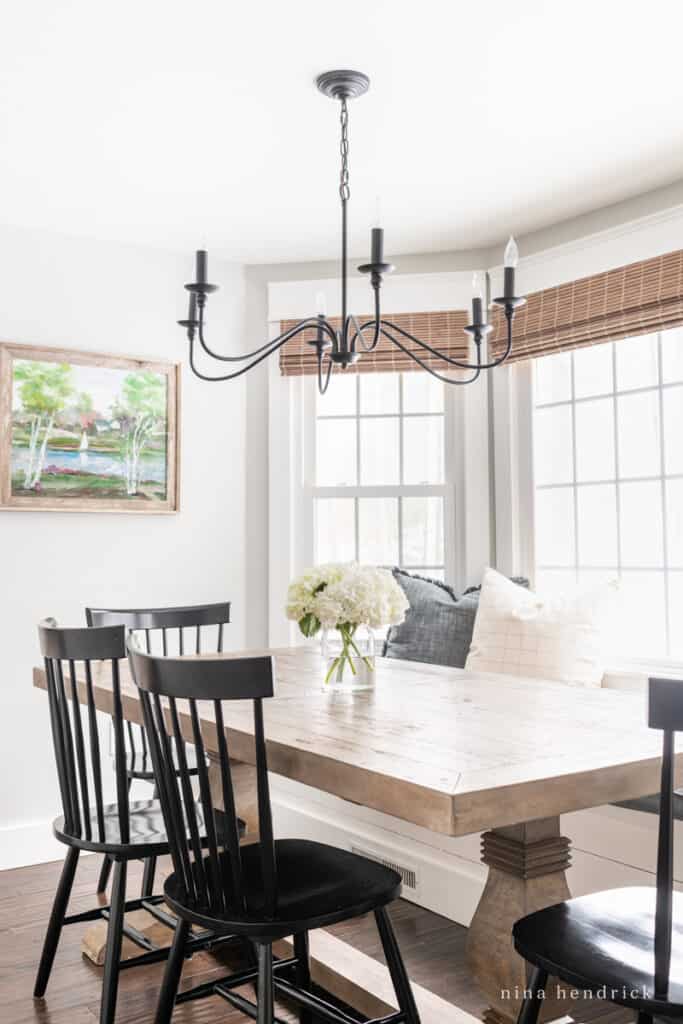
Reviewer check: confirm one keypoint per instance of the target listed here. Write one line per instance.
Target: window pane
(593, 371)
(672, 355)
(555, 581)
(379, 455)
(553, 378)
(597, 527)
(641, 524)
(423, 461)
(673, 429)
(637, 362)
(674, 522)
(641, 628)
(335, 533)
(340, 397)
(553, 462)
(378, 393)
(554, 525)
(422, 520)
(378, 531)
(422, 393)
(336, 453)
(639, 434)
(676, 613)
(595, 440)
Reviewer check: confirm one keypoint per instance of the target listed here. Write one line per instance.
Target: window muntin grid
(379, 490)
(608, 468)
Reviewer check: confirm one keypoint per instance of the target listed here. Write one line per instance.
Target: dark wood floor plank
(433, 948)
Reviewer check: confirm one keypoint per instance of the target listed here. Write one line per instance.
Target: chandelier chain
(344, 190)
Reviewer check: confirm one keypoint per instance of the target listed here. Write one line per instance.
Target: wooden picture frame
(87, 431)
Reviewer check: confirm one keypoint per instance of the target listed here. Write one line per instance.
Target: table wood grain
(454, 751)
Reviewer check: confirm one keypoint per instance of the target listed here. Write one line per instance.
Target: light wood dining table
(455, 752)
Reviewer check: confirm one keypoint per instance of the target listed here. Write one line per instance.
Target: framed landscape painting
(87, 432)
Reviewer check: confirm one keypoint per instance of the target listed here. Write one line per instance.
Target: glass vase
(349, 657)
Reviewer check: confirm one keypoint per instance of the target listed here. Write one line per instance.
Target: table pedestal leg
(527, 866)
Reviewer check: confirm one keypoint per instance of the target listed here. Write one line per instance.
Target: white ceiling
(197, 123)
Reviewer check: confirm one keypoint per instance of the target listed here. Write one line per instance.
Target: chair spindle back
(170, 692)
(77, 749)
(665, 712)
(170, 624)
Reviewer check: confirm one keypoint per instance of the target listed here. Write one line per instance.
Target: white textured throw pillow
(520, 633)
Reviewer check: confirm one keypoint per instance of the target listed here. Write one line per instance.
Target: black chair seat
(650, 804)
(146, 830)
(317, 885)
(139, 765)
(606, 939)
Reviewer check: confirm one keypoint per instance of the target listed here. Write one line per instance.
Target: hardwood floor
(432, 946)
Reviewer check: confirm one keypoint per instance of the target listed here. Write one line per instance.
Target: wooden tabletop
(454, 751)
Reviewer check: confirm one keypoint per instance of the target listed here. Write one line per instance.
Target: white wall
(104, 297)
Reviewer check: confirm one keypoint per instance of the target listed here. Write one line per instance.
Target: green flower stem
(346, 631)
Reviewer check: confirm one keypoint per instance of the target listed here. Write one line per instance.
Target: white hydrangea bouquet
(344, 597)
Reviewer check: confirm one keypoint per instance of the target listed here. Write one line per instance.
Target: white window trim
(468, 508)
(512, 396)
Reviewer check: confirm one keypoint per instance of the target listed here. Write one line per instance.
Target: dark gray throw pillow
(438, 625)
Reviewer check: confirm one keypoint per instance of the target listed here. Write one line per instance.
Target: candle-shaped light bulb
(201, 266)
(477, 300)
(511, 254)
(510, 260)
(320, 304)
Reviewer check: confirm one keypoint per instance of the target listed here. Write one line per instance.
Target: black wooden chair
(627, 942)
(169, 625)
(123, 830)
(264, 891)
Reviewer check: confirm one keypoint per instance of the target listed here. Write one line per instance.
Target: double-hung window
(376, 458)
(608, 481)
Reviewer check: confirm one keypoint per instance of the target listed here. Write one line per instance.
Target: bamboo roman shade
(443, 330)
(636, 299)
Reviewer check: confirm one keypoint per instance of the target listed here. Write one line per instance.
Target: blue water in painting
(152, 467)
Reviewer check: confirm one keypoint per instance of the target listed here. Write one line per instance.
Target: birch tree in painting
(141, 411)
(43, 389)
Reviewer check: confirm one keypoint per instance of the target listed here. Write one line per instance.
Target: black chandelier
(344, 346)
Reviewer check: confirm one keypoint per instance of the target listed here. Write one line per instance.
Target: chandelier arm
(308, 322)
(456, 362)
(421, 362)
(322, 387)
(359, 328)
(274, 347)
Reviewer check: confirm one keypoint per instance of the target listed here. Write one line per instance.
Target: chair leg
(148, 877)
(174, 966)
(399, 975)
(110, 979)
(105, 871)
(303, 972)
(54, 928)
(531, 1007)
(266, 993)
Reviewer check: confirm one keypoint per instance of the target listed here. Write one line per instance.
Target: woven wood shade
(443, 330)
(636, 299)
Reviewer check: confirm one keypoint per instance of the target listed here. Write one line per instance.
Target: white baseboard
(447, 884)
(611, 847)
(29, 843)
